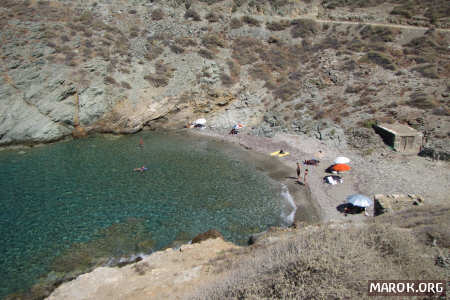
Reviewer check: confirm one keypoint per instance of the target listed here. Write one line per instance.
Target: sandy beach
(382, 172)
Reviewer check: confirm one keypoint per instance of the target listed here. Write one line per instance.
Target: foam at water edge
(289, 207)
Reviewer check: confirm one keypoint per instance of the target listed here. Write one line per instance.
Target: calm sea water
(71, 204)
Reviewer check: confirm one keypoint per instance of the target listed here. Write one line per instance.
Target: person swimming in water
(141, 169)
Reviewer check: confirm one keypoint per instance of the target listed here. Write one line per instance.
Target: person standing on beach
(298, 172)
(304, 178)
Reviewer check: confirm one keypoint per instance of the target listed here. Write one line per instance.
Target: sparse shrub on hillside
(125, 85)
(303, 28)
(428, 71)
(206, 54)
(278, 26)
(286, 92)
(175, 49)
(86, 18)
(244, 50)
(226, 80)
(319, 263)
(153, 52)
(377, 33)
(162, 75)
(186, 42)
(363, 101)
(331, 4)
(157, 14)
(212, 17)
(355, 45)
(134, 34)
(235, 69)
(109, 80)
(192, 14)
(260, 71)
(235, 23)
(441, 111)
(250, 21)
(211, 41)
(211, 1)
(330, 42)
(421, 101)
(64, 38)
(379, 59)
(280, 59)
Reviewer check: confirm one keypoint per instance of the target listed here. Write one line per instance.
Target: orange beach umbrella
(341, 167)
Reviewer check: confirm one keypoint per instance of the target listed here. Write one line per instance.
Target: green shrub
(380, 59)
(377, 33)
(211, 41)
(186, 42)
(286, 92)
(250, 21)
(278, 26)
(226, 80)
(157, 14)
(235, 23)
(428, 71)
(212, 17)
(192, 14)
(161, 77)
(304, 28)
(109, 80)
(206, 54)
(244, 50)
(175, 49)
(153, 52)
(125, 85)
(421, 101)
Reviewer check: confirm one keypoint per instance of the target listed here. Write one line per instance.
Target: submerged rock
(210, 234)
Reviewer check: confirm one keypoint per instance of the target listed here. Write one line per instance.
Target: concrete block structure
(401, 138)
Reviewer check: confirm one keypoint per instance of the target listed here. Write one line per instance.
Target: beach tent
(359, 200)
(341, 160)
(341, 167)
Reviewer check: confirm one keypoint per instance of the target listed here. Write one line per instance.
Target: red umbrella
(341, 167)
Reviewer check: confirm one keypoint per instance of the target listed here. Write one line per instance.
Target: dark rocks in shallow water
(255, 237)
(210, 234)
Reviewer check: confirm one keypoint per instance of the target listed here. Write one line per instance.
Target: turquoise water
(79, 200)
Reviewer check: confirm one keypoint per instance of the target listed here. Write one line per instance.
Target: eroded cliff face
(289, 66)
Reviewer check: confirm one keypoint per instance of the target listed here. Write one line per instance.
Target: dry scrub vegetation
(336, 261)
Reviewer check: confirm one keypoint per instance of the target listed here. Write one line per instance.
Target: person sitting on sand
(281, 151)
(304, 177)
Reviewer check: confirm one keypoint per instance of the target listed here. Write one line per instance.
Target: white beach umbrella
(200, 122)
(341, 160)
(359, 200)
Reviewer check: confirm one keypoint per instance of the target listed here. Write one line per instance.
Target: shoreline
(316, 196)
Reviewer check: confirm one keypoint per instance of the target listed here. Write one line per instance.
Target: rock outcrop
(168, 274)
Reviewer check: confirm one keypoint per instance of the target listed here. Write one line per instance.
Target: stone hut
(401, 137)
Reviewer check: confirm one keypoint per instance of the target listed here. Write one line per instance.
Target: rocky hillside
(326, 68)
